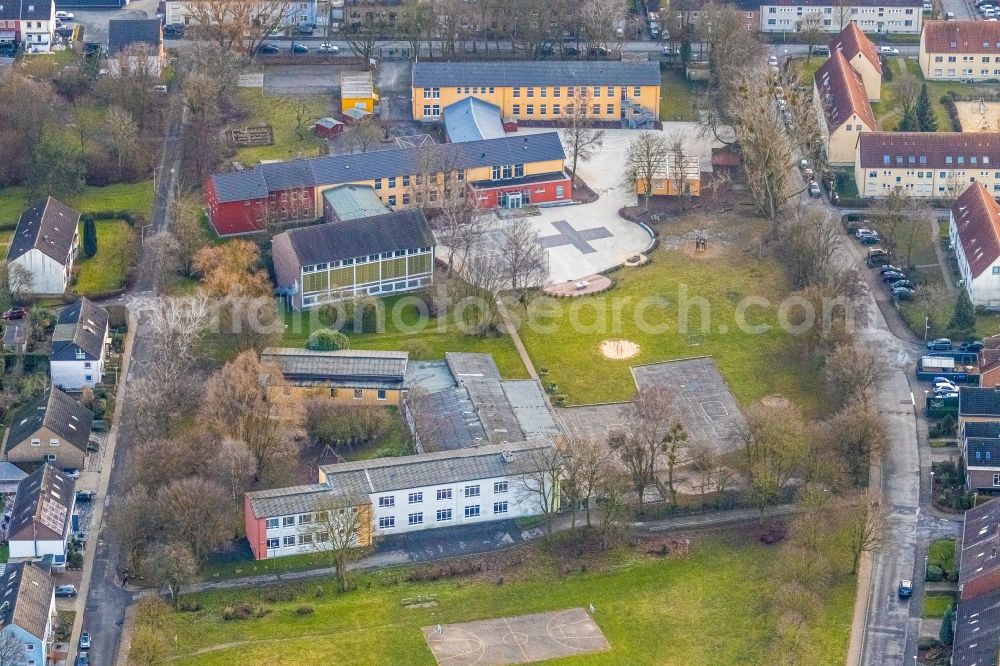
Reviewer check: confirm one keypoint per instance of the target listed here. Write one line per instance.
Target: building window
(597, 91)
(378, 183)
(531, 92)
(444, 494)
(517, 92)
(518, 170)
(560, 192)
(517, 109)
(272, 523)
(36, 442)
(557, 91)
(358, 394)
(996, 270)
(386, 522)
(443, 515)
(611, 91)
(305, 518)
(544, 109)
(543, 91)
(386, 501)
(392, 181)
(531, 110)
(472, 491)
(472, 511)
(597, 109)
(305, 539)
(415, 498)
(288, 541)
(556, 109)
(499, 487)
(274, 542)
(392, 199)
(87, 364)
(636, 91)
(611, 109)
(996, 479)
(415, 518)
(406, 199)
(288, 521)
(499, 507)
(495, 173)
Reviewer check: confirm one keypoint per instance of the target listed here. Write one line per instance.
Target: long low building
(538, 90)
(894, 17)
(960, 50)
(363, 376)
(926, 164)
(510, 172)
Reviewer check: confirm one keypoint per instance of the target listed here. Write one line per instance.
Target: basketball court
(515, 640)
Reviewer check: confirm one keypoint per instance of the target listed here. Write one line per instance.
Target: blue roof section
(472, 119)
(338, 169)
(350, 202)
(536, 73)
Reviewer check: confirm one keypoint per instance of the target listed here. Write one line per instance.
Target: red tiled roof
(935, 150)
(851, 41)
(977, 218)
(843, 92)
(962, 36)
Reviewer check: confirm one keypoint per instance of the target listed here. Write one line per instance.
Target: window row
(443, 494)
(293, 540)
(442, 515)
(274, 523)
(314, 268)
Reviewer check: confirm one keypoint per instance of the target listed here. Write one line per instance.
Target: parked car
(814, 190)
(870, 240)
(865, 232)
(971, 346)
(65, 16)
(889, 267)
(888, 51)
(67, 591)
(905, 589)
(72, 472)
(598, 52)
(892, 276)
(299, 48)
(821, 50)
(571, 51)
(809, 175)
(906, 284)
(876, 255)
(940, 391)
(306, 30)
(772, 61)
(267, 47)
(82, 659)
(64, 31)
(903, 293)
(667, 51)
(85, 496)
(15, 313)
(174, 30)
(939, 344)
(328, 48)
(85, 640)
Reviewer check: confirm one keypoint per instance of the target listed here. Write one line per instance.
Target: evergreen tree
(963, 319)
(908, 123)
(926, 121)
(947, 633)
(89, 237)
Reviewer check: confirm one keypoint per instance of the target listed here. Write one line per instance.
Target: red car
(14, 313)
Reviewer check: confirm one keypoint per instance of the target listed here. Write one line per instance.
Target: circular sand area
(619, 349)
(775, 400)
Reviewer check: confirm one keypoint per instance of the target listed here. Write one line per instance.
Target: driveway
(95, 21)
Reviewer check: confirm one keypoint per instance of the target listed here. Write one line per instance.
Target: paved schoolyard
(702, 400)
(515, 640)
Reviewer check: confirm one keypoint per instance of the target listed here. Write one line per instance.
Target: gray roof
(123, 32)
(11, 472)
(530, 407)
(448, 420)
(28, 590)
(470, 365)
(982, 451)
(323, 243)
(978, 401)
(334, 169)
(56, 411)
(35, 10)
(350, 202)
(302, 499)
(440, 467)
(49, 226)
(982, 429)
(472, 119)
(43, 506)
(977, 631)
(980, 531)
(351, 368)
(82, 325)
(356, 84)
(536, 73)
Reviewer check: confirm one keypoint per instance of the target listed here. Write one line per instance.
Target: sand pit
(619, 349)
(979, 116)
(775, 400)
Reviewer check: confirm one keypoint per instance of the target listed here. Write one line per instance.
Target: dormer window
(80, 355)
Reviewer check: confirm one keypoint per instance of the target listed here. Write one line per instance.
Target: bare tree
(907, 91)
(362, 134)
(580, 138)
(201, 95)
(185, 211)
(19, 280)
(808, 245)
(542, 483)
(198, 512)
(11, 649)
(613, 503)
(811, 30)
(640, 446)
(484, 278)
(866, 528)
(124, 135)
(586, 463)
(237, 467)
(854, 373)
(856, 435)
(523, 257)
(361, 37)
(131, 524)
(676, 452)
(647, 159)
(773, 446)
(900, 221)
(238, 25)
(338, 531)
(300, 107)
(171, 565)
(251, 323)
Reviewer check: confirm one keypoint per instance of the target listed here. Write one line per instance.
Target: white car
(773, 61)
(888, 50)
(328, 48)
(65, 16)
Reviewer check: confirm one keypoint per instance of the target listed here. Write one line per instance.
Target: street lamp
(927, 326)
(925, 566)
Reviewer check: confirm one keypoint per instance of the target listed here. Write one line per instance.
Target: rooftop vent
(508, 456)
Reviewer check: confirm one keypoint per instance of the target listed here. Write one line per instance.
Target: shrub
(935, 574)
(948, 101)
(362, 315)
(418, 349)
(927, 642)
(238, 612)
(305, 610)
(326, 339)
(89, 237)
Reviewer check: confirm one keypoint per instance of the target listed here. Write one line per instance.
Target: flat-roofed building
(351, 202)
(346, 375)
(895, 17)
(960, 50)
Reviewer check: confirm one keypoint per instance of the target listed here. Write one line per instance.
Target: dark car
(870, 240)
(85, 496)
(66, 590)
(299, 48)
(892, 276)
(903, 294)
(82, 659)
(887, 268)
(821, 50)
(971, 346)
(544, 50)
(939, 344)
(64, 31)
(598, 52)
(814, 191)
(174, 30)
(571, 51)
(267, 48)
(306, 30)
(905, 284)
(905, 589)
(14, 313)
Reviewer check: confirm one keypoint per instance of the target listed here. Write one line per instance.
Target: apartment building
(539, 90)
(977, 620)
(974, 229)
(861, 54)
(842, 108)
(926, 164)
(28, 23)
(899, 17)
(960, 50)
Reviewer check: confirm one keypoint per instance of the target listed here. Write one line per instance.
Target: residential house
(288, 16)
(695, 16)
(960, 50)
(351, 202)
(45, 242)
(842, 108)
(539, 90)
(926, 164)
(80, 346)
(982, 461)
(41, 518)
(977, 404)
(893, 17)
(989, 362)
(472, 119)
(28, 610)
(512, 172)
(974, 230)
(861, 54)
(10, 476)
(138, 36)
(30, 24)
(354, 376)
(370, 256)
(52, 428)
(405, 494)
(977, 619)
(357, 91)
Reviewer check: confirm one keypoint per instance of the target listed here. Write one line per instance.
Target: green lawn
(279, 114)
(677, 96)
(754, 365)
(711, 607)
(439, 336)
(806, 70)
(942, 553)
(105, 271)
(936, 604)
(885, 110)
(135, 197)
